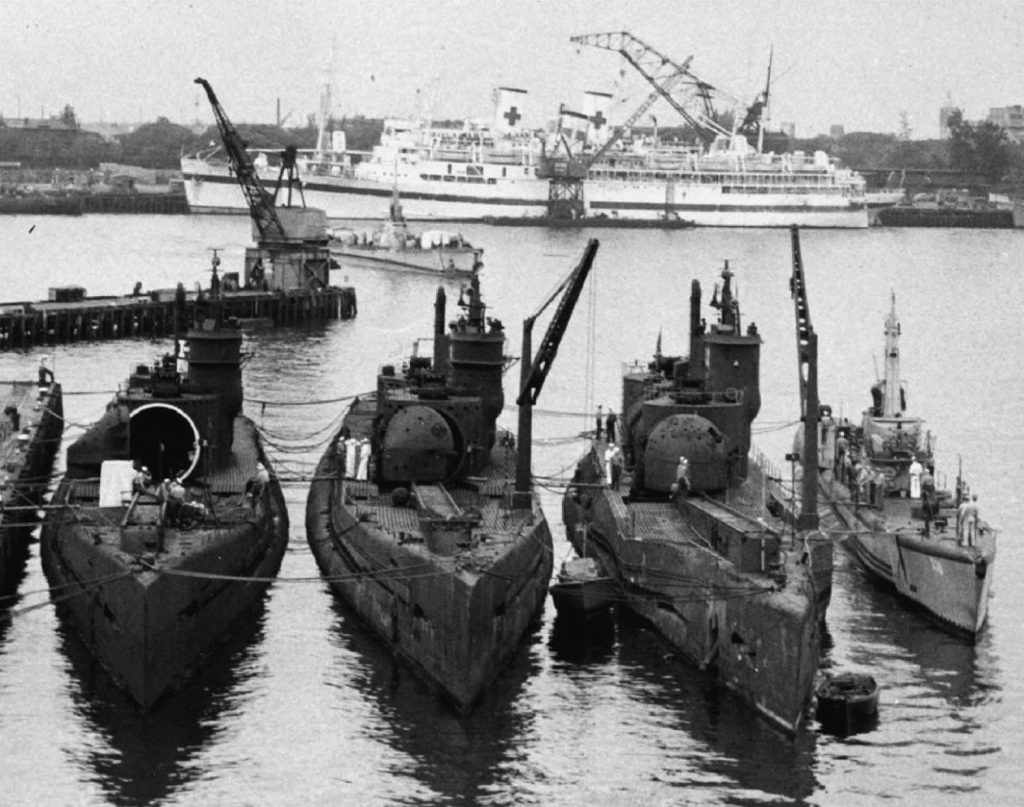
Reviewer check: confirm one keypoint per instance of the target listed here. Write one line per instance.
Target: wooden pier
(906, 216)
(63, 320)
(77, 204)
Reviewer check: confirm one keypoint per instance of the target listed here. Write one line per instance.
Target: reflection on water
(15, 535)
(451, 758)
(141, 758)
(582, 643)
(727, 745)
(887, 630)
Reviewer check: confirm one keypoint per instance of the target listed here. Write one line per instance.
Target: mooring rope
(82, 588)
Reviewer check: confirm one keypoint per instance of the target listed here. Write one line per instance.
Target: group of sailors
(170, 493)
(357, 455)
(869, 485)
(613, 458)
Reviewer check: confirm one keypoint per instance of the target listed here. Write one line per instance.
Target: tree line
(981, 149)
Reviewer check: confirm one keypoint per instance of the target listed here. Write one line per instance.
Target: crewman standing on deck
(609, 423)
(681, 487)
(915, 471)
(842, 448)
(928, 498)
(967, 518)
(616, 461)
(45, 373)
(600, 422)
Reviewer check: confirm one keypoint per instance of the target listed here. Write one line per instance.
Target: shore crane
(291, 249)
(565, 191)
(672, 81)
(270, 223)
(659, 70)
(664, 73)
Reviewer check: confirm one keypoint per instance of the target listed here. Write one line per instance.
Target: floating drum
(847, 703)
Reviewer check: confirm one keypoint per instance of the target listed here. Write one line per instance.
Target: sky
(866, 65)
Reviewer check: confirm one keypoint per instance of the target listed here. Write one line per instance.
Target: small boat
(899, 526)
(393, 246)
(582, 589)
(847, 702)
(152, 572)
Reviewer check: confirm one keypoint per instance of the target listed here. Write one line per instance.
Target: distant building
(836, 131)
(48, 124)
(788, 128)
(1010, 119)
(110, 131)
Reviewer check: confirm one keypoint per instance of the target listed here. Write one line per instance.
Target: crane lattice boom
(672, 80)
(659, 70)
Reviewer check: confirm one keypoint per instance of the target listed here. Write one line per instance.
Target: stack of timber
(30, 432)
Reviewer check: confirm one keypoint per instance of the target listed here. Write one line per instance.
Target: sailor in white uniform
(915, 470)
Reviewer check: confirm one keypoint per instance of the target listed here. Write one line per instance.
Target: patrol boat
(700, 542)
(898, 522)
(421, 513)
(152, 575)
(394, 246)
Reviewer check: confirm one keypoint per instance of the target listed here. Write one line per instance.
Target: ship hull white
(210, 189)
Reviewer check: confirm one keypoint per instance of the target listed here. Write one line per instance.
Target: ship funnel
(510, 105)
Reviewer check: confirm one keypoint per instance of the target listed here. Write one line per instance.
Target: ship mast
(807, 363)
(535, 370)
(891, 398)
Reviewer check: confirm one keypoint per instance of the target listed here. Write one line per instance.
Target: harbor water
(305, 707)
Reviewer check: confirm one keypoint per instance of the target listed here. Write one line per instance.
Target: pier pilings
(27, 325)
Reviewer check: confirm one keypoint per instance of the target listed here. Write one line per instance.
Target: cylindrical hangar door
(164, 439)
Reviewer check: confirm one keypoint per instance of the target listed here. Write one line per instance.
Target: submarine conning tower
(700, 407)
(722, 357)
(476, 348)
(215, 368)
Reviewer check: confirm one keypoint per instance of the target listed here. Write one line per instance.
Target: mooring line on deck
(399, 572)
(320, 402)
(81, 588)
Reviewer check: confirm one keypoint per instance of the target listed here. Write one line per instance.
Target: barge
(30, 433)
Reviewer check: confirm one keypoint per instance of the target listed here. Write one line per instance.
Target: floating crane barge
(285, 279)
